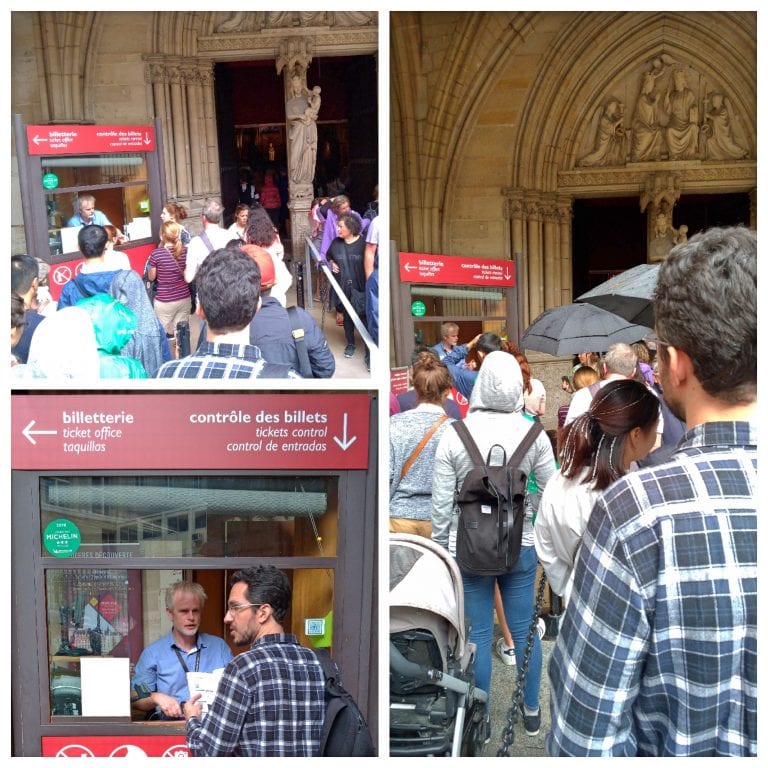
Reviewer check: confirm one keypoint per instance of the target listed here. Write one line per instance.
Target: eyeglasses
(237, 608)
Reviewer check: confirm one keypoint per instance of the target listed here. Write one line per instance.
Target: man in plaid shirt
(271, 699)
(229, 295)
(657, 652)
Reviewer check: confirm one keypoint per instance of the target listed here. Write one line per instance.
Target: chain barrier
(508, 734)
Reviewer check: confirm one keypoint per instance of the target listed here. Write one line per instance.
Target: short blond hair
(184, 586)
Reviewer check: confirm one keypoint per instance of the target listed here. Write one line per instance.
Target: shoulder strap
(469, 443)
(299, 342)
(207, 240)
(525, 444)
(424, 440)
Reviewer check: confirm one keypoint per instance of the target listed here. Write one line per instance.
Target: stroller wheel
(477, 732)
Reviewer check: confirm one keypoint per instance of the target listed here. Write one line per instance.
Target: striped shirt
(171, 285)
(270, 703)
(217, 360)
(657, 652)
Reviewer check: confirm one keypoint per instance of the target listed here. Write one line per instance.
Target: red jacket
(270, 195)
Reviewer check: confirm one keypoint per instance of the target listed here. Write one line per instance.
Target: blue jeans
(517, 595)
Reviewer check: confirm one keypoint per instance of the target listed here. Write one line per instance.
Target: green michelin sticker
(50, 181)
(61, 538)
(418, 309)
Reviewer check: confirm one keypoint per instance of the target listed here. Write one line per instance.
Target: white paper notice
(105, 683)
(204, 683)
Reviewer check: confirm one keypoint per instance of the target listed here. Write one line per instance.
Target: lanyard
(183, 663)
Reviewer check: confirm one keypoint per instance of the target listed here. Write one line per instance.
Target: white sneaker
(541, 628)
(505, 653)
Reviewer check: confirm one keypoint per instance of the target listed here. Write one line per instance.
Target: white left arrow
(28, 432)
(344, 443)
(38, 139)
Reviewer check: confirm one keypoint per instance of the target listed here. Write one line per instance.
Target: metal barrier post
(299, 284)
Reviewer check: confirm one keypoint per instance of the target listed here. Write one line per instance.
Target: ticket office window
(158, 517)
(476, 309)
(119, 183)
(113, 613)
(97, 611)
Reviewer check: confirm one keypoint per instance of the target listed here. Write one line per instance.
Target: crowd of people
(235, 280)
(640, 509)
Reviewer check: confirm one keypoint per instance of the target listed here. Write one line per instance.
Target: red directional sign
(89, 139)
(456, 270)
(221, 431)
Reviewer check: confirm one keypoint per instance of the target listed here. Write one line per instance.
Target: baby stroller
(434, 707)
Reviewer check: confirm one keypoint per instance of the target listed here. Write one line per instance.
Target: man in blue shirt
(87, 213)
(159, 685)
(657, 652)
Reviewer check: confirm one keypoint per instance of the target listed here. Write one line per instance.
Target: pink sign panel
(456, 270)
(89, 139)
(205, 431)
(64, 271)
(137, 746)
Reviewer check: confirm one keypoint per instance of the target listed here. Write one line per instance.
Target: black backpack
(492, 506)
(345, 732)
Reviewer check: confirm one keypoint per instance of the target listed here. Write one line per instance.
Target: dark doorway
(250, 113)
(610, 234)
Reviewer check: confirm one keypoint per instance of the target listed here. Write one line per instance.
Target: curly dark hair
(260, 230)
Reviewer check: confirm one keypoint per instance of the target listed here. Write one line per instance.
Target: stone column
(551, 254)
(565, 217)
(535, 258)
(516, 214)
(182, 97)
(179, 137)
(156, 76)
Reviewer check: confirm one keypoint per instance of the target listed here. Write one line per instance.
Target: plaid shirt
(216, 360)
(270, 703)
(657, 652)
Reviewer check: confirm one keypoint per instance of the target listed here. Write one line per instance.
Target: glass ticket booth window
(475, 309)
(112, 545)
(118, 182)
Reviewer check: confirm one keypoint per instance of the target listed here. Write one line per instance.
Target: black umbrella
(629, 294)
(576, 328)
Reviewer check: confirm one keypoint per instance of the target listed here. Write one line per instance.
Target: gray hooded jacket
(495, 418)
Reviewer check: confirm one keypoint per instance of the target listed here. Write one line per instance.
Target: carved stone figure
(682, 130)
(665, 237)
(352, 18)
(718, 142)
(647, 137)
(610, 138)
(301, 111)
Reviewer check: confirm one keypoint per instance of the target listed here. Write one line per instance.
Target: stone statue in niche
(682, 131)
(717, 142)
(239, 21)
(647, 136)
(610, 137)
(296, 19)
(301, 111)
(664, 236)
(352, 18)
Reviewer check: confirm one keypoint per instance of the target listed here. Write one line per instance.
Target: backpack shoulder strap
(300, 343)
(469, 443)
(525, 444)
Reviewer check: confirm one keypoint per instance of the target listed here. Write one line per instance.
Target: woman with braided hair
(598, 447)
